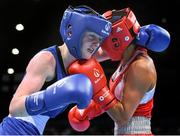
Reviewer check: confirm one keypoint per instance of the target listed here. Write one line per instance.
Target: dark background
(41, 19)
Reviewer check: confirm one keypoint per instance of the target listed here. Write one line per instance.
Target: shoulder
(142, 73)
(143, 64)
(43, 57)
(42, 62)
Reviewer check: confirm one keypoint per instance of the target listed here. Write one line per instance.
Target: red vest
(117, 79)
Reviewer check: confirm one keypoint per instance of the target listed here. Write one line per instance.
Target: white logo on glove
(54, 91)
(96, 72)
(58, 84)
(36, 100)
(102, 97)
(36, 97)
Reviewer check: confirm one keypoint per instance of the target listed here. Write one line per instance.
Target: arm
(39, 69)
(136, 85)
(30, 100)
(71, 89)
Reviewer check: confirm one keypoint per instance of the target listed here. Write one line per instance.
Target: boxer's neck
(128, 54)
(66, 56)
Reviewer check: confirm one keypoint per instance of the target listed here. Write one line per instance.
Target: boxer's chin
(87, 56)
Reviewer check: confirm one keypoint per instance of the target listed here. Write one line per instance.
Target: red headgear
(125, 27)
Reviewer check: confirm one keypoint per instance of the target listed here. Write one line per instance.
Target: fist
(78, 122)
(153, 37)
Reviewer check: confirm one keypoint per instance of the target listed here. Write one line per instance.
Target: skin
(90, 42)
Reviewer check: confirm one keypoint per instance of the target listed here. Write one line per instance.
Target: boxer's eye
(91, 37)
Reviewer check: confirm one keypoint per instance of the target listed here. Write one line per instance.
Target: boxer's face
(90, 44)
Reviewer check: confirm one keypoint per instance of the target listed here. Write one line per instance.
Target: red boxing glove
(79, 119)
(91, 68)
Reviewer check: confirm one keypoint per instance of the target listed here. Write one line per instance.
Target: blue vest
(60, 72)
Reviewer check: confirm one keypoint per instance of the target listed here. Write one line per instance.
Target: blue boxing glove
(72, 89)
(153, 37)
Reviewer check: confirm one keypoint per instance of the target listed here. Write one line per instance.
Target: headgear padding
(77, 21)
(125, 27)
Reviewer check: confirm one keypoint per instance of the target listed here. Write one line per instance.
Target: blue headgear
(77, 21)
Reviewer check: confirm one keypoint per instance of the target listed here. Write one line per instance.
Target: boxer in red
(129, 99)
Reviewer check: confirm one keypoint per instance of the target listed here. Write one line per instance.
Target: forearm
(17, 107)
(118, 114)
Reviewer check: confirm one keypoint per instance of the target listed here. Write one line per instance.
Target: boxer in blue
(83, 31)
